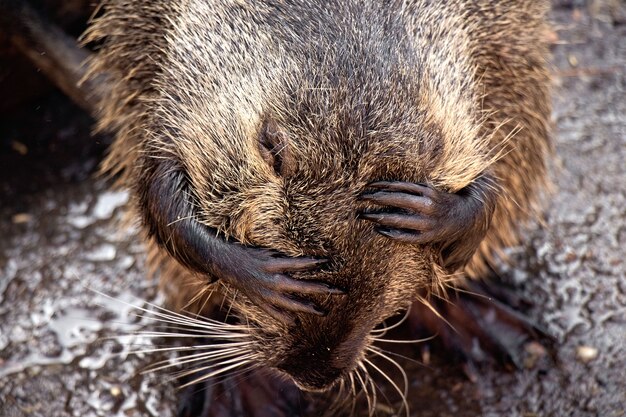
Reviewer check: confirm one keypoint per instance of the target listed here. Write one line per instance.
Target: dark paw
(263, 276)
(416, 213)
(255, 394)
(476, 328)
(420, 214)
(260, 274)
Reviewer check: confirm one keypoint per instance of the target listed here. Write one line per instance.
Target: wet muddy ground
(64, 347)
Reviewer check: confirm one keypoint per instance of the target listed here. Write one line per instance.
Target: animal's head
(277, 147)
(308, 205)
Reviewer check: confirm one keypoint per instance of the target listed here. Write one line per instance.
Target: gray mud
(65, 348)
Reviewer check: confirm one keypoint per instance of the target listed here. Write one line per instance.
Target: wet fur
(437, 92)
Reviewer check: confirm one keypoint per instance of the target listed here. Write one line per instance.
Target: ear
(274, 148)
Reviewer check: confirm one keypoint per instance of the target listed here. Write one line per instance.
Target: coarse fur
(418, 91)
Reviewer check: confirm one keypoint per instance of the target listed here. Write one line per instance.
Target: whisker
(352, 384)
(365, 391)
(215, 373)
(229, 353)
(379, 352)
(384, 330)
(168, 363)
(374, 389)
(240, 359)
(437, 313)
(466, 291)
(174, 317)
(204, 323)
(405, 403)
(426, 339)
(167, 334)
(401, 356)
(339, 400)
(184, 348)
(373, 386)
(353, 391)
(200, 366)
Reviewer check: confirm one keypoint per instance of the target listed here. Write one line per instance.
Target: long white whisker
(374, 389)
(184, 348)
(371, 383)
(426, 339)
(337, 402)
(208, 356)
(353, 391)
(352, 384)
(238, 359)
(188, 321)
(379, 349)
(157, 334)
(405, 403)
(176, 318)
(204, 325)
(217, 372)
(365, 391)
(397, 365)
(229, 353)
(384, 330)
(201, 363)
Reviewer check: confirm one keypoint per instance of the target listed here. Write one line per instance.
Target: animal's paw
(263, 276)
(418, 213)
(475, 327)
(255, 394)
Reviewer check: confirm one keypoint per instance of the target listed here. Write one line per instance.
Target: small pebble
(535, 352)
(535, 349)
(116, 391)
(586, 354)
(21, 218)
(19, 147)
(426, 355)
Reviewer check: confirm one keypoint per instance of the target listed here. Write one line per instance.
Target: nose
(312, 371)
(318, 366)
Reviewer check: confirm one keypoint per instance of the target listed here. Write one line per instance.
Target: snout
(316, 364)
(315, 376)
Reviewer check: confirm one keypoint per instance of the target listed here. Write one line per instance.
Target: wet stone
(49, 344)
(102, 253)
(586, 354)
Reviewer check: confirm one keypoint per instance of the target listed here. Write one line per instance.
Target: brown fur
(414, 91)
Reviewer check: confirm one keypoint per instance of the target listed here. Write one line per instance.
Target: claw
(399, 200)
(294, 264)
(406, 187)
(398, 221)
(277, 314)
(287, 284)
(405, 237)
(297, 306)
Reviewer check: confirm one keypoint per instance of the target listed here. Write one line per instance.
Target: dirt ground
(64, 347)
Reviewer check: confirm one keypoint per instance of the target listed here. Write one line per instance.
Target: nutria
(323, 165)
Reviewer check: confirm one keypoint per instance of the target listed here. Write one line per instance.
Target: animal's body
(265, 122)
